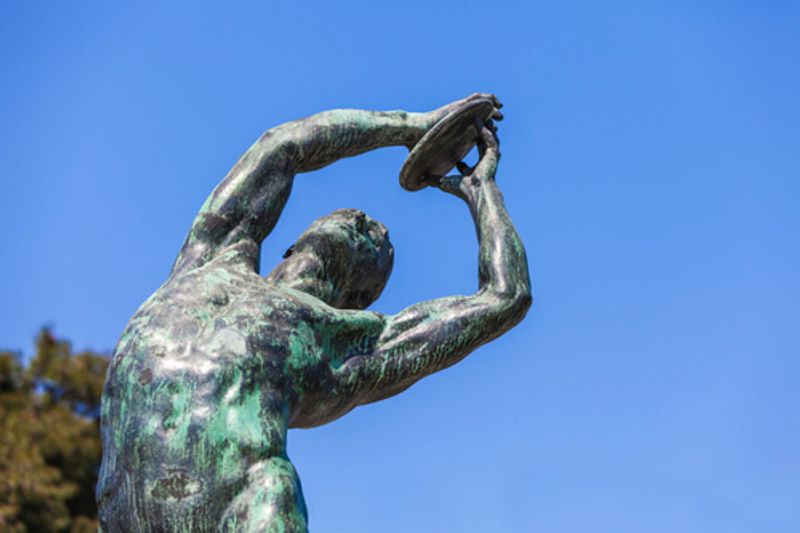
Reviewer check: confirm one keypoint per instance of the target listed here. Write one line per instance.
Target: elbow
(515, 301)
(524, 300)
(521, 302)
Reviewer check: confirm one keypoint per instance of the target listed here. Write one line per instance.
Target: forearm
(311, 143)
(326, 137)
(249, 200)
(502, 263)
(321, 139)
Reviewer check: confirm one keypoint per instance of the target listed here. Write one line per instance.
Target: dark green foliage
(49, 438)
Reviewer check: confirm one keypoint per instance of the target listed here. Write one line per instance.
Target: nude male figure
(220, 362)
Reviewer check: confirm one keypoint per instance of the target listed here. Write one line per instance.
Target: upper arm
(248, 202)
(245, 205)
(364, 356)
(426, 338)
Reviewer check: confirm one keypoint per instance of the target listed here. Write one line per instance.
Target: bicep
(241, 207)
(443, 325)
(421, 340)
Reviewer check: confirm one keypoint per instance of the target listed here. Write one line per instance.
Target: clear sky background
(651, 160)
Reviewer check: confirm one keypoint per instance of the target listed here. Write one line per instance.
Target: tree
(49, 438)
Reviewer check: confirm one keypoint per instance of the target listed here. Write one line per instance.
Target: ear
(289, 251)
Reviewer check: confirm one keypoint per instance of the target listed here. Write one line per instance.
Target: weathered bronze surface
(220, 362)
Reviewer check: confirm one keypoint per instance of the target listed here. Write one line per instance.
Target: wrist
(473, 194)
(420, 123)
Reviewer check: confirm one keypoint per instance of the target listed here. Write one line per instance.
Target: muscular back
(205, 393)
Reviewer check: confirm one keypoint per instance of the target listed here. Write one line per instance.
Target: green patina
(235, 426)
(179, 417)
(304, 348)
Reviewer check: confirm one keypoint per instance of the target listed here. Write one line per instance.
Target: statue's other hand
(467, 184)
(438, 114)
(453, 184)
(496, 115)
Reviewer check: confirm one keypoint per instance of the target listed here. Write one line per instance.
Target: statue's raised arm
(433, 335)
(247, 203)
(430, 336)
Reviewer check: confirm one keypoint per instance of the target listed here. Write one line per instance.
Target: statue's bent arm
(433, 335)
(248, 202)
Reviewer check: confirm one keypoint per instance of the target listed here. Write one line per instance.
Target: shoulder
(196, 253)
(330, 318)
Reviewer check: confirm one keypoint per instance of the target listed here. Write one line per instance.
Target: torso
(203, 384)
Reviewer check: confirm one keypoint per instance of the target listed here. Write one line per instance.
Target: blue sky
(650, 162)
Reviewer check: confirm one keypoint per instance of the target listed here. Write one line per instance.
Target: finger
(489, 137)
(481, 149)
(487, 96)
(493, 98)
(496, 137)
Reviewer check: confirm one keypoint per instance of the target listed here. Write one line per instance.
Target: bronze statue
(220, 362)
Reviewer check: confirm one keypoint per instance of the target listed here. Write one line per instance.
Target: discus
(445, 144)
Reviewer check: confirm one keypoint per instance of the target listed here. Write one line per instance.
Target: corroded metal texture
(220, 362)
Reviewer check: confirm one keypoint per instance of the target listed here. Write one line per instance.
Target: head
(344, 259)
